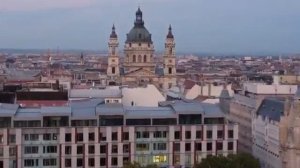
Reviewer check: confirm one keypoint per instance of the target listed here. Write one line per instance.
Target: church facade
(139, 67)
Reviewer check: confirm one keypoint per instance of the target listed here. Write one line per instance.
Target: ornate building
(139, 66)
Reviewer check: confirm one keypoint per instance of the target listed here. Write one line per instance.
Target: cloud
(33, 5)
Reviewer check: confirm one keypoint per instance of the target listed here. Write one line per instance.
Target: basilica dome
(139, 33)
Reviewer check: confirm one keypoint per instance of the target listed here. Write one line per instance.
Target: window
(129, 44)
(79, 149)
(12, 151)
(220, 134)
(91, 162)
(159, 146)
(50, 149)
(68, 163)
(140, 58)
(126, 136)
(160, 134)
(138, 135)
(198, 134)
(145, 58)
(219, 145)
(187, 134)
(12, 138)
(209, 146)
(1, 139)
(68, 150)
(114, 149)
(54, 136)
(114, 161)
(134, 58)
(34, 137)
(125, 148)
(209, 134)
(170, 70)
(102, 148)
(113, 70)
(49, 162)
(31, 149)
(47, 137)
(91, 149)
(176, 147)
(114, 136)
(140, 35)
(79, 137)
(125, 160)
(140, 44)
(142, 147)
(187, 147)
(68, 137)
(102, 161)
(91, 136)
(198, 146)
(177, 134)
(79, 162)
(113, 51)
(1, 151)
(230, 133)
(144, 134)
(230, 145)
(159, 158)
(31, 162)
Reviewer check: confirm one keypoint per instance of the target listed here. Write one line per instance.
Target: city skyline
(235, 27)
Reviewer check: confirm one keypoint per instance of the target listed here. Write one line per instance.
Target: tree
(231, 161)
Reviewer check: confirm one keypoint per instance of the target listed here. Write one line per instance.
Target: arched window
(140, 58)
(170, 51)
(113, 70)
(134, 58)
(113, 51)
(145, 58)
(170, 70)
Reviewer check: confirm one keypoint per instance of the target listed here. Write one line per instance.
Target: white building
(207, 90)
(105, 134)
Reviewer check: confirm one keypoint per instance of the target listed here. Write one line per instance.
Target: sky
(199, 26)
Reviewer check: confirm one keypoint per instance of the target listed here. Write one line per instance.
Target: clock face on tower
(139, 18)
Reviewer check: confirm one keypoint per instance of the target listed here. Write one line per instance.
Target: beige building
(287, 79)
(245, 103)
(139, 66)
(276, 133)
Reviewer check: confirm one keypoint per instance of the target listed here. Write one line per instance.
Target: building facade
(104, 133)
(139, 66)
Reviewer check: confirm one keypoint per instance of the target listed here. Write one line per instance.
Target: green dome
(138, 34)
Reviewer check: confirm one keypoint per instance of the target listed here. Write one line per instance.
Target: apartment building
(245, 103)
(101, 133)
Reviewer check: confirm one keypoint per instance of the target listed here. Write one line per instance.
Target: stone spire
(113, 32)
(170, 34)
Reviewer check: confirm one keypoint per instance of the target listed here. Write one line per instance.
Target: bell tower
(113, 69)
(169, 62)
(169, 56)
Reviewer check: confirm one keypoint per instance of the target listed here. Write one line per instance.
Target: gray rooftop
(90, 109)
(95, 93)
(8, 109)
(271, 108)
